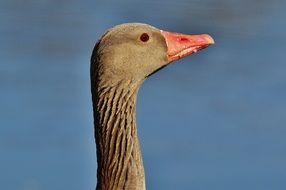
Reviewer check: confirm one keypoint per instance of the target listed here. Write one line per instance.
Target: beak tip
(210, 39)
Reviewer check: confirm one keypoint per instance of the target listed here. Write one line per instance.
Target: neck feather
(119, 159)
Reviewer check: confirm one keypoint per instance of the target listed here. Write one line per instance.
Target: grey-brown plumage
(121, 60)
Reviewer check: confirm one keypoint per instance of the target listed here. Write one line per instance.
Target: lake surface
(215, 120)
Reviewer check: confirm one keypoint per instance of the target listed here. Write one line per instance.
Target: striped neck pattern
(119, 158)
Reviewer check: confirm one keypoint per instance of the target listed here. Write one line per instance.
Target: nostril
(184, 39)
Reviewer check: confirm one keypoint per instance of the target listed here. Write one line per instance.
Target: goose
(121, 60)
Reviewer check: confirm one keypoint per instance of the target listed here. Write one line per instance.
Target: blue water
(215, 120)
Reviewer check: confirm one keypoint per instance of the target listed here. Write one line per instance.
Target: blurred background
(215, 120)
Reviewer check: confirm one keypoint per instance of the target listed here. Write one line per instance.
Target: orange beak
(182, 45)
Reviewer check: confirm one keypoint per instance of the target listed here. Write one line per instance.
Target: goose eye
(144, 37)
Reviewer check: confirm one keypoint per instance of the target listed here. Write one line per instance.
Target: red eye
(144, 37)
